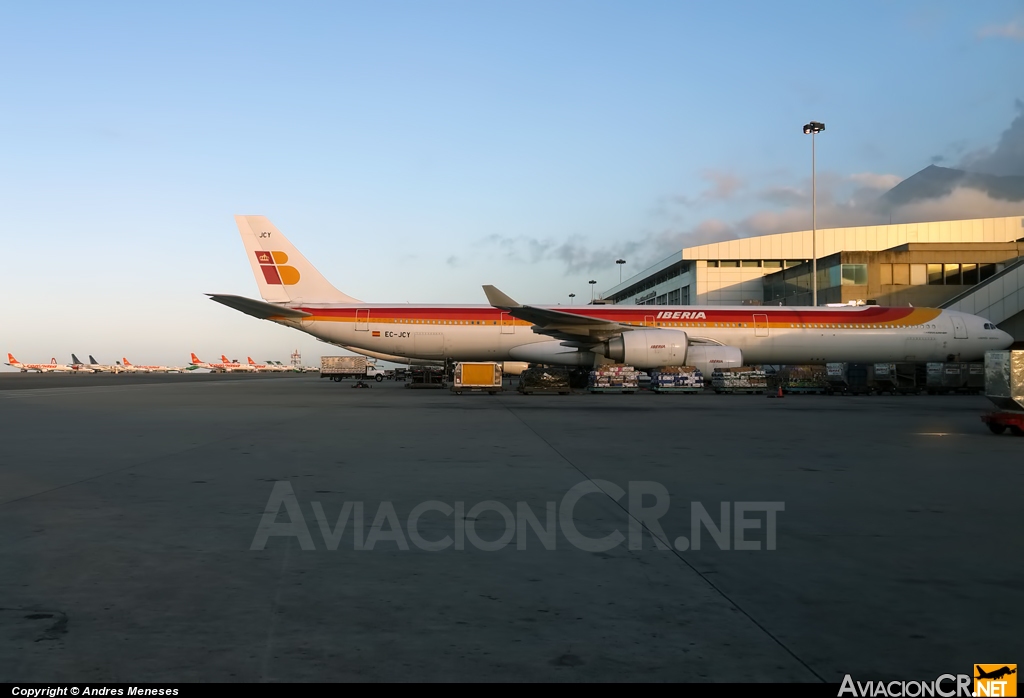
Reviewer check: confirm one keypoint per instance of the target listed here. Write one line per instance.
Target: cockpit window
(989, 326)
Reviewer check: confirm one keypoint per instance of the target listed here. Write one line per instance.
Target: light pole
(620, 262)
(814, 128)
(591, 282)
(571, 296)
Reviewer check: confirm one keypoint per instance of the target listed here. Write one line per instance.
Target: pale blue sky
(408, 147)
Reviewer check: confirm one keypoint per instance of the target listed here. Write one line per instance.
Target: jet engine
(708, 357)
(514, 368)
(648, 348)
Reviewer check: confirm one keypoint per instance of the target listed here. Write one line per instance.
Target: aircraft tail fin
(224, 359)
(53, 361)
(251, 362)
(125, 361)
(11, 359)
(195, 359)
(282, 273)
(75, 361)
(93, 361)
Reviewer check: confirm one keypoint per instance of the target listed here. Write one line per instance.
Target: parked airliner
(42, 368)
(224, 366)
(296, 295)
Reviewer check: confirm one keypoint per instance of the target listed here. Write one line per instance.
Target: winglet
(499, 299)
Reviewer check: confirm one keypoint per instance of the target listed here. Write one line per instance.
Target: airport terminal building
(976, 266)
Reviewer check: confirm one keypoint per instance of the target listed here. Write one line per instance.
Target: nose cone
(1005, 340)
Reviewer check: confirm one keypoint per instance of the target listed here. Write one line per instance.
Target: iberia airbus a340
(296, 295)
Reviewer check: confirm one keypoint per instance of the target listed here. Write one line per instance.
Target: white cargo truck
(338, 367)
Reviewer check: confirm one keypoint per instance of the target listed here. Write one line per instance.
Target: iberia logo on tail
(274, 271)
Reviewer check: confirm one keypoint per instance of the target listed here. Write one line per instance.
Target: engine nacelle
(649, 348)
(552, 352)
(709, 357)
(514, 368)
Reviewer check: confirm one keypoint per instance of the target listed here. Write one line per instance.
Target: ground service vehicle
(337, 367)
(477, 376)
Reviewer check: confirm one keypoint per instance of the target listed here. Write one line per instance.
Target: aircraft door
(649, 320)
(959, 327)
(507, 324)
(362, 320)
(760, 325)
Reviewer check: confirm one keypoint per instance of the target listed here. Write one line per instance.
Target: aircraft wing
(574, 329)
(260, 309)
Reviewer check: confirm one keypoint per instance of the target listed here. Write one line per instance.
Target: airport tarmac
(128, 514)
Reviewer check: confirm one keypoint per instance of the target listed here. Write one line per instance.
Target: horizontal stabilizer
(260, 309)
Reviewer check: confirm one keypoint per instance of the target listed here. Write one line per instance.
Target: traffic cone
(779, 394)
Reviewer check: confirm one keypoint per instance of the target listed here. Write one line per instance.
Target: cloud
(961, 203)
(1007, 158)
(785, 206)
(881, 182)
(723, 187)
(1014, 30)
(841, 200)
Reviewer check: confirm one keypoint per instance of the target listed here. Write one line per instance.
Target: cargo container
(882, 378)
(976, 378)
(1004, 379)
(945, 378)
(911, 378)
(848, 379)
(954, 377)
(477, 376)
(1004, 386)
(934, 377)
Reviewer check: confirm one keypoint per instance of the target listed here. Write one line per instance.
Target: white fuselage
(42, 368)
(765, 334)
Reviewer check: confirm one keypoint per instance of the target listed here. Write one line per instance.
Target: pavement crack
(671, 549)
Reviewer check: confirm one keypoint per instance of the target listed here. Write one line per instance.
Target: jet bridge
(999, 298)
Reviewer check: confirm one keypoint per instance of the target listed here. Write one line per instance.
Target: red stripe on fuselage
(865, 314)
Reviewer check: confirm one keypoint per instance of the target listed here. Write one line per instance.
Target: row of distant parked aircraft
(126, 366)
